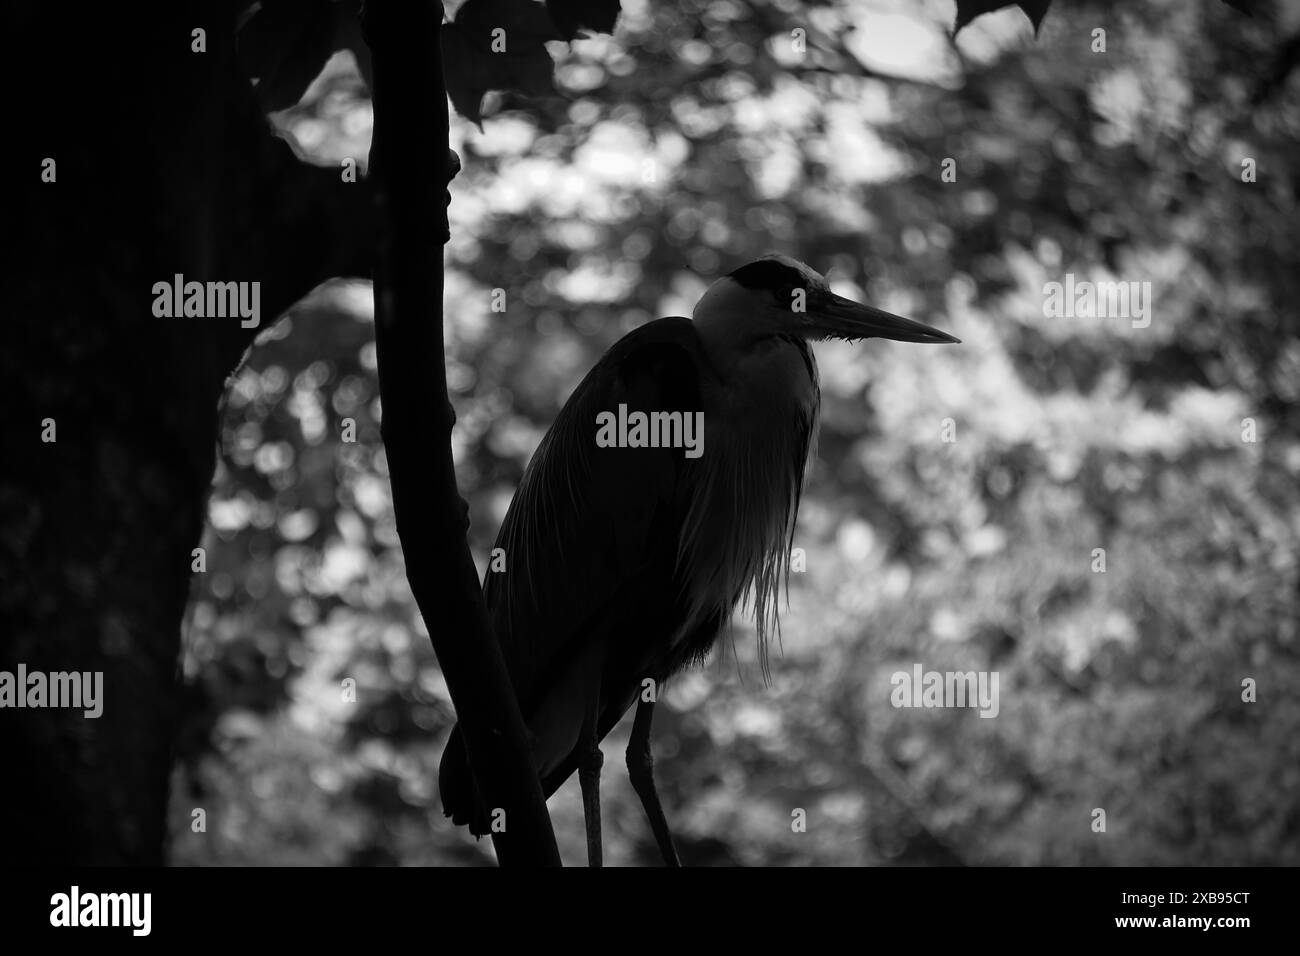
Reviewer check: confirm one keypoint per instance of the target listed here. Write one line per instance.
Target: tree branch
(408, 151)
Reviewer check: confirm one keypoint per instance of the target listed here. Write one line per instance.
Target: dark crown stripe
(768, 274)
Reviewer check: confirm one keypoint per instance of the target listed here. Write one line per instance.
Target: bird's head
(780, 296)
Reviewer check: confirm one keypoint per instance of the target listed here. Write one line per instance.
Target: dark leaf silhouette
(284, 44)
(497, 45)
(968, 10)
(571, 16)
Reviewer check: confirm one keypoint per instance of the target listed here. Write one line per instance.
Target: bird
(632, 537)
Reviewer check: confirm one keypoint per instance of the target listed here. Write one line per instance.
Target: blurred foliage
(698, 138)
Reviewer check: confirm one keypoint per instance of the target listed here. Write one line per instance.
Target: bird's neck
(772, 380)
(725, 324)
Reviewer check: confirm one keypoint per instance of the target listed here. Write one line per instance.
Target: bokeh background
(696, 139)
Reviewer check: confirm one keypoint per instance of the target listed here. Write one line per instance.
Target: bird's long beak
(843, 318)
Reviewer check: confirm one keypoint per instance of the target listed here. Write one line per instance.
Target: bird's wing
(589, 524)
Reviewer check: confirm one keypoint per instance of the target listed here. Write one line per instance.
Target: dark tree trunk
(165, 165)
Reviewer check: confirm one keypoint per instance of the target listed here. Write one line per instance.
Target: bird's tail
(456, 785)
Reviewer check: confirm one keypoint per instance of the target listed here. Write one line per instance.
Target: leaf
(285, 44)
(472, 66)
(968, 10)
(524, 19)
(570, 16)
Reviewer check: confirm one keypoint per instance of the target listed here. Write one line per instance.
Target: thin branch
(411, 169)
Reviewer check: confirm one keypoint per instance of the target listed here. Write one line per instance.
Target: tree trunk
(164, 164)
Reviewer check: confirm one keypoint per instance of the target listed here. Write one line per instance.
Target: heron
(625, 559)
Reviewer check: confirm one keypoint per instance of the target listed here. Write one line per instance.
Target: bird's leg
(589, 778)
(640, 768)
